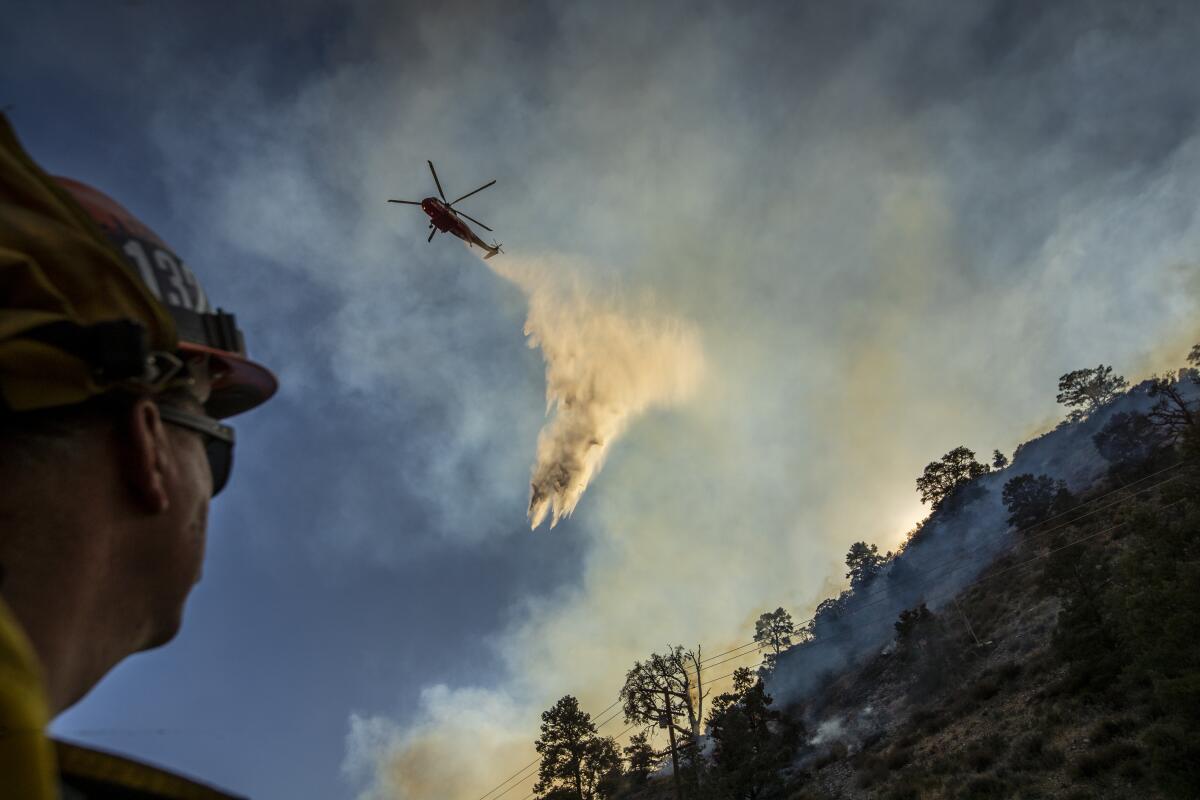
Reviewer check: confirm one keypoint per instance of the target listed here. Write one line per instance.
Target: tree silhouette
(863, 563)
(828, 616)
(941, 479)
(662, 692)
(776, 630)
(1173, 414)
(576, 762)
(1128, 441)
(1031, 499)
(910, 620)
(1085, 390)
(749, 745)
(999, 460)
(640, 756)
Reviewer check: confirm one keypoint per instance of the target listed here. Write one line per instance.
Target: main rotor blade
(409, 202)
(480, 189)
(468, 216)
(431, 233)
(435, 180)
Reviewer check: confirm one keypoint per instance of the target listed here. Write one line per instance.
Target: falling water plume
(606, 363)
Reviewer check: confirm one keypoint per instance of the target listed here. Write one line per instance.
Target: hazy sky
(823, 242)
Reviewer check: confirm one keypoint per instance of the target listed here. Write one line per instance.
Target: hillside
(1049, 659)
(1033, 682)
(1011, 648)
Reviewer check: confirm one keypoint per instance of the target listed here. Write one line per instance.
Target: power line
(618, 736)
(955, 592)
(756, 651)
(884, 593)
(1019, 541)
(982, 579)
(536, 760)
(757, 646)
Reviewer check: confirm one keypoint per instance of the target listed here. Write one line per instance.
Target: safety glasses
(218, 441)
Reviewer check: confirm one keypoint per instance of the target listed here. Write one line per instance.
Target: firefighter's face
(166, 552)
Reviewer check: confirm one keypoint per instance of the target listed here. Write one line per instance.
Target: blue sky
(883, 231)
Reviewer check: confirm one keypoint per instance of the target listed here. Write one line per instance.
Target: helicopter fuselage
(446, 221)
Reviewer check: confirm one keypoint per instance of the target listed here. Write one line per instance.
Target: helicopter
(444, 217)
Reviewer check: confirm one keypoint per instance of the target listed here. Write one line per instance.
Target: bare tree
(1173, 414)
(665, 690)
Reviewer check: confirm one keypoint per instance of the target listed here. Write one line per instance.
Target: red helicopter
(444, 217)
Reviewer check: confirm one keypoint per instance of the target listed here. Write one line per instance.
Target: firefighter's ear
(145, 455)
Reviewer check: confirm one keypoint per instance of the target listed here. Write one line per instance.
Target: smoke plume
(606, 363)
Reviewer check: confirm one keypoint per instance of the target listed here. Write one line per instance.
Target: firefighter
(115, 374)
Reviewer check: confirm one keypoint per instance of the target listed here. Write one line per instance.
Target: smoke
(411, 762)
(606, 364)
(829, 730)
(954, 547)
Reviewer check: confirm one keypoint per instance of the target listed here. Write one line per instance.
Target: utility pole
(699, 719)
(674, 753)
(967, 622)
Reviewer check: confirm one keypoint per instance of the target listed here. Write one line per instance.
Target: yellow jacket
(26, 756)
(33, 767)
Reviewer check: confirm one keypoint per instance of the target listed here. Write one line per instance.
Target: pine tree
(576, 762)
(774, 630)
(640, 756)
(750, 741)
(863, 563)
(1086, 390)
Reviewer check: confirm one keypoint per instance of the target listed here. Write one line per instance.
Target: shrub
(980, 760)
(1031, 498)
(908, 787)
(923, 717)
(871, 772)
(1008, 671)
(835, 753)
(1031, 752)
(983, 753)
(1054, 717)
(1102, 759)
(1108, 729)
(943, 766)
(897, 758)
(1174, 759)
(985, 787)
(872, 739)
(985, 688)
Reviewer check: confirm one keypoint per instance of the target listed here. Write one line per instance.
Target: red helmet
(239, 384)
